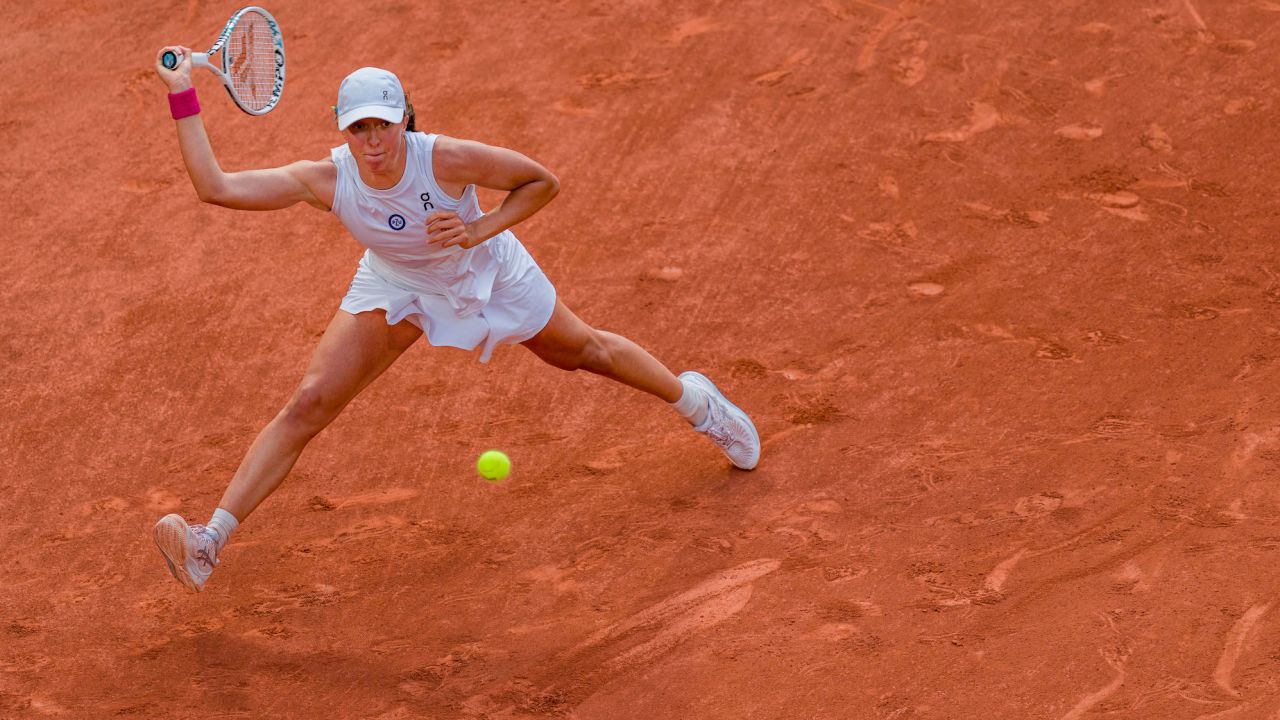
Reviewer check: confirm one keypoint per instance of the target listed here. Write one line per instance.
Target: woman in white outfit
(434, 264)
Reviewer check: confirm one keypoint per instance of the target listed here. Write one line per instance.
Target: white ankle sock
(222, 524)
(692, 404)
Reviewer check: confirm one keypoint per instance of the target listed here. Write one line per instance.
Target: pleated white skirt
(519, 303)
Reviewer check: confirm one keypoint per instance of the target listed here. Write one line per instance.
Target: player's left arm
(528, 185)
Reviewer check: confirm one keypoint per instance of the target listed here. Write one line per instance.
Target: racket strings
(251, 61)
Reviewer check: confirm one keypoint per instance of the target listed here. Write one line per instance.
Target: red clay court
(997, 281)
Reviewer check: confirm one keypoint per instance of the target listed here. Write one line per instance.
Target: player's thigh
(564, 340)
(355, 350)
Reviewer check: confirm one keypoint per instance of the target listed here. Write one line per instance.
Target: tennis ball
(493, 465)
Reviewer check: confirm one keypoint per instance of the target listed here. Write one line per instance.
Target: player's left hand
(446, 229)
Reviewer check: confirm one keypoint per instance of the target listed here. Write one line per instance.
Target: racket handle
(169, 59)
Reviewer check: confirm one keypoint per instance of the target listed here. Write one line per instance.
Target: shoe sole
(171, 538)
(705, 383)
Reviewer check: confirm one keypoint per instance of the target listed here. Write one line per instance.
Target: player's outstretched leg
(570, 344)
(354, 351)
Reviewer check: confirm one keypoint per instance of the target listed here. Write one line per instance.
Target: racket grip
(169, 59)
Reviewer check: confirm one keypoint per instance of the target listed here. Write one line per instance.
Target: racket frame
(199, 59)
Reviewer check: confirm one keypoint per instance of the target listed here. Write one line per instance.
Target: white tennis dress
(491, 294)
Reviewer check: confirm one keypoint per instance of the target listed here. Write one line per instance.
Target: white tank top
(392, 225)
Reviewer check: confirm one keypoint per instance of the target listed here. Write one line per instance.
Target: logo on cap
(396, 222)
(384, 94)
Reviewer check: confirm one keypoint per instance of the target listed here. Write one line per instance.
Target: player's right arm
(306, 181)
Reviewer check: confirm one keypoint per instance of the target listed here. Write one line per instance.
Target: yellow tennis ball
(493, 465)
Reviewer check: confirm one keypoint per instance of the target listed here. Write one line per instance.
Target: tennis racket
(252, 64)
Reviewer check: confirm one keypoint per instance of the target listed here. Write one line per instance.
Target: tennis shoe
(190, 551)
(726, 424)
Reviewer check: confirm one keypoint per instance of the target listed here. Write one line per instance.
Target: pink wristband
(184, 104)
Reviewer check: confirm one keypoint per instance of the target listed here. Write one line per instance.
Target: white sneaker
(726, 424)
(189, 550)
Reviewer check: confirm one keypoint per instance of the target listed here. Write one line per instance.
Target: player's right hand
(179, 78)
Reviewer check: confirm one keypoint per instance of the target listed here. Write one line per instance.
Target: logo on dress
(396, 222)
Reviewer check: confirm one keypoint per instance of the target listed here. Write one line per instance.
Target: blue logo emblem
(396, 222)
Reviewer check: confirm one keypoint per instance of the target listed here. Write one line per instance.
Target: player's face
(376, 143)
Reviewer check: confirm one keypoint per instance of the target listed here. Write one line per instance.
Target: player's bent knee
(309, 410)
(596, 355)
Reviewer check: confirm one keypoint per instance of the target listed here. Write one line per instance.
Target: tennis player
(434, 264)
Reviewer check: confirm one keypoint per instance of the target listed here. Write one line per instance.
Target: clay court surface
(998, 282)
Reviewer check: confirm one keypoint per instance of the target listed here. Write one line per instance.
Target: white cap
(370, 93)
